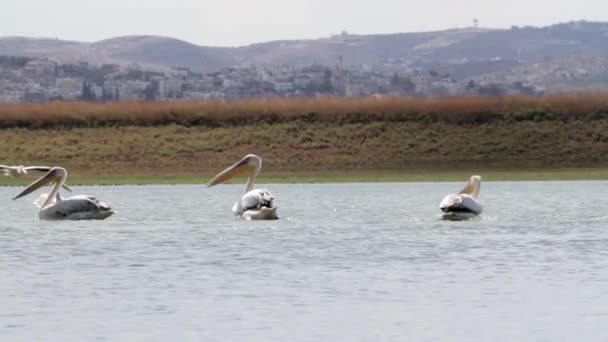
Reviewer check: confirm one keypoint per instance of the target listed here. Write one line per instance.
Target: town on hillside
(28, 79)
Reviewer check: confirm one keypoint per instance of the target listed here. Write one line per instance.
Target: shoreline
(346, 176)
(557, 137)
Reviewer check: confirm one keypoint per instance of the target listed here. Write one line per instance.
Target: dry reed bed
(451, 110)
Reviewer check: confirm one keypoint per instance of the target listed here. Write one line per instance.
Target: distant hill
(464, 52)
(575, 72)
(165, 52)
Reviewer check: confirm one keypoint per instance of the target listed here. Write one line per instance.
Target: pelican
(20, 171)
(53, 207)
(255, 204)
(464, 202)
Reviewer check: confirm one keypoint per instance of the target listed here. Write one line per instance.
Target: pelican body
(54, 207)
(255, 204)
(464, 202)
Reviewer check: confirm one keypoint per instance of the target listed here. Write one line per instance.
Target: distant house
(283, 87)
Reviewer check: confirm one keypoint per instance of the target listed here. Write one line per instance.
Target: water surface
(346, 262)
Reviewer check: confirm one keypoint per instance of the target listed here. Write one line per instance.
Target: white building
(68, 88)
(283, 87)
(169, 88)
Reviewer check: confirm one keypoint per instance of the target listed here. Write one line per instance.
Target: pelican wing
(254, 199)
(93, 199)
(448, 201)
(261, 214)
(77, 208)
(470, 204)
(71, 206)
(460, 203)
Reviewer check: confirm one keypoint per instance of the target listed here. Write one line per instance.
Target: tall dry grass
(453, 110)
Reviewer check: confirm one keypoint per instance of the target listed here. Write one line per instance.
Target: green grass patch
(347, 176)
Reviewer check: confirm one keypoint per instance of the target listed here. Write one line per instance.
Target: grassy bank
(513, 138)
(346, 176)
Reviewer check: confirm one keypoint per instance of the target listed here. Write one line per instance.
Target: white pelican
(20, 171)
(81, 207)
(256, 204)
(464, 202)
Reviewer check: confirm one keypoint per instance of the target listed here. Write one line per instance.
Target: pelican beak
(241, 167)
(472, 186)
(42, 181)
(468, 189)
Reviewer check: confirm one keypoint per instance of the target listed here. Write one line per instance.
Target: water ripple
(345, 262)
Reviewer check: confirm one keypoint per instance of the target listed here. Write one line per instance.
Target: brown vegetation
(316, 135)
(450, 110)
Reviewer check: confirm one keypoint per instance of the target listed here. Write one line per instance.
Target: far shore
(321, 140)
(366, 176)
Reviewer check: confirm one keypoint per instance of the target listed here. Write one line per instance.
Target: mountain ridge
(412, 50)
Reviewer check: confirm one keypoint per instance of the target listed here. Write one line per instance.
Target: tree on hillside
(149, 93)
(14, 61)
(327, 84)
(491, 90)
(403, 83)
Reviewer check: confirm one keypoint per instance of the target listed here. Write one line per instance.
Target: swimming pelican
(464, 202)
(20, 171)
(255, 204)
(81, 207)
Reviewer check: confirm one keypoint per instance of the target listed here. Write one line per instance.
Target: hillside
(164, 52)
(458, 47)
(580, 71)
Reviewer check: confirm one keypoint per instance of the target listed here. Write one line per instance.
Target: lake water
(346, 262)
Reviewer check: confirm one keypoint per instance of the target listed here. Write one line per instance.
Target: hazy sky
(241, 22)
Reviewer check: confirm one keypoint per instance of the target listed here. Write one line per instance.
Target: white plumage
(255, 204)
(54, 207)
(465, 201)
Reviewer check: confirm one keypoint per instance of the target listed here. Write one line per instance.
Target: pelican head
(55, 175)
(249, 165)
(472, 187)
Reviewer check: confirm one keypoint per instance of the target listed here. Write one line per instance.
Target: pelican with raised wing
(464, 202)
(20, 171)
(255, 204)
(80, 207)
